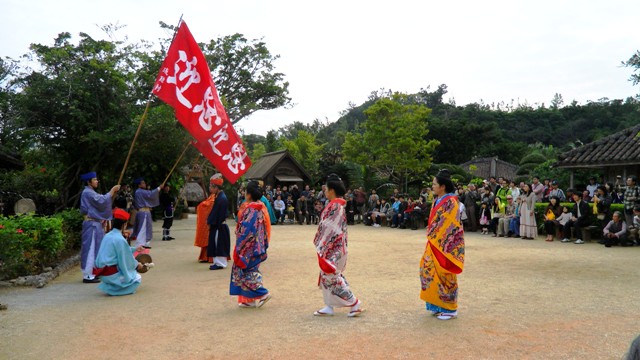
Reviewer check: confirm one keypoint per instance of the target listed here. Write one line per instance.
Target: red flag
(185, 83)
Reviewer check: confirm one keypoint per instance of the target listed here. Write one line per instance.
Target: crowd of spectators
(498, 207)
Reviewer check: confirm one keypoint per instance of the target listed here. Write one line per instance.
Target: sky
(336, 52)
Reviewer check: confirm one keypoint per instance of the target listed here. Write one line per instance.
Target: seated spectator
(398, 208)
(509, 215)
(406, 219)
(497, 212)
(585, 196)
(564, 218)
(579, 218)
(487, 196)
(291, 209)
(280, 209)
(570, 197)
(551, 214)
(420, 212)
(369, 220)
(317, 210)
(382, 209)
(616, 231)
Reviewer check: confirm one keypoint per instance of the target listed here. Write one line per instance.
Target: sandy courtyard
(518, 300)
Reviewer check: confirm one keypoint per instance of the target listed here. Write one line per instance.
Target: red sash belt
(105, 271)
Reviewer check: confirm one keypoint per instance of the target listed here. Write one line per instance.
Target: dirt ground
(518, 300)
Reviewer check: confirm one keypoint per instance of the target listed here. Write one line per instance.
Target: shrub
(29, 243)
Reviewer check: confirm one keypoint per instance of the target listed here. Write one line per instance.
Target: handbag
(550, 215)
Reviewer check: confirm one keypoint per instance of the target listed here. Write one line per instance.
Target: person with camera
(631, 195)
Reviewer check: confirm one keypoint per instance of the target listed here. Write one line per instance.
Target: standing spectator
(602, 201)
(269, 193)
(361, 202)
(350, 209)
(493, 184)
(306, 192)
(585, 196)
(528, 227)
(631, 195)
(579, 219)
(322, 195)
(470, 199)
(514, 224)
(487, 196)
(280, 209)
(373, 199)
(502, 192)
(537, 188)
(592, 187)
(551, 213)
(509, 214)
(515, 191)
(497, 212)
(302, 209)
(556, 191)
(317, 210)
(485, 217)
(547, 190)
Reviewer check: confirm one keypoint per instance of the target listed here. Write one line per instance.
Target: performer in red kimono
(331, 249)
(252, 241)
(202, 228)
(443, 258)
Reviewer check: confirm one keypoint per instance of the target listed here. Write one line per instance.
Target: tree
(306, 151)
(634, 62)
(394, 140)
(244, 74)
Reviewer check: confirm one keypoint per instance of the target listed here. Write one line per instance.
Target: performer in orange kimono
(202, 228)
(443, 258)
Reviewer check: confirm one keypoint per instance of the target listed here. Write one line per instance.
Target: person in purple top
(144, 200)
(95, 208)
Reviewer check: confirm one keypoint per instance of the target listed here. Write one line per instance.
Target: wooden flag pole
(144, 116)
(126, 162)
(176, 164)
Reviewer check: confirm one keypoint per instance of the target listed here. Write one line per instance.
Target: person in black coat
(219, 237)
(579, 218)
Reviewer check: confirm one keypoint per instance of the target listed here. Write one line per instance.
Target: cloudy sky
(336, 52)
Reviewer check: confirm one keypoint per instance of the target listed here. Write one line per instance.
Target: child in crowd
(485, 217)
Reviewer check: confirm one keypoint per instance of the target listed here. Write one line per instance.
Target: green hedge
(29, 243)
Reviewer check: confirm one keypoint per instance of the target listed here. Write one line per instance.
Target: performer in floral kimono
(252, 240)
(96, 209)
(115, 263)
(202, 228)
(331, 249)
(219, 244)
(144, 201)
(443, 258)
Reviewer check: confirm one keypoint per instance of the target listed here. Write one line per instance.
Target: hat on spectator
(554, 182)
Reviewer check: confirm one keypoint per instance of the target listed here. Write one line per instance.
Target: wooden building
(615, 155)
(491, 166)
(278, 168)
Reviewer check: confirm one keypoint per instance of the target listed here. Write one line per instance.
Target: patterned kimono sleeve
(250, 240)
(329, 239)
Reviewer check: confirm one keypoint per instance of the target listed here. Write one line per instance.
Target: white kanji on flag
(207, 110)
(189, 73)
(219, 136)
(236, 158)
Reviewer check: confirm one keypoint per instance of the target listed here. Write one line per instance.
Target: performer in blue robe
(96, 209)
(252, 241)
(115, 263)
(219, 237)
(144, 201)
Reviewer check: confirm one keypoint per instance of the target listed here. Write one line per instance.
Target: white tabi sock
(327, 310)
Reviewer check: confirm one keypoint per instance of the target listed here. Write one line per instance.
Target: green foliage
(306, 151)
(533, 158)
(393, 143)
(244, 73)
(28, 243)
